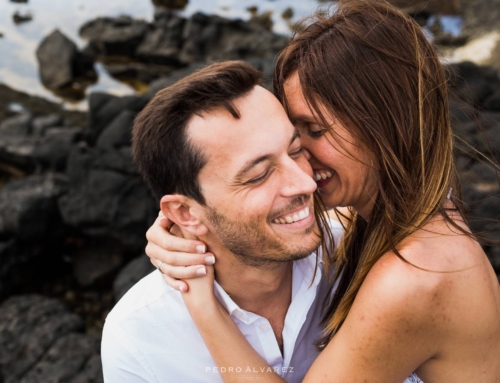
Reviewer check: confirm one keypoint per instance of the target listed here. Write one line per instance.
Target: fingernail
(210, 259)
(201, 249)
(201, 271)
(182, 289)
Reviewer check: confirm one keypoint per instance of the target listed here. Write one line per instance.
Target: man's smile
(297, 215)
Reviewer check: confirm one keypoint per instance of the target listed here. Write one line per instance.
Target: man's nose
(296, 179)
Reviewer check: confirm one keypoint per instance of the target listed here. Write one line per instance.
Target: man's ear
(183, 211)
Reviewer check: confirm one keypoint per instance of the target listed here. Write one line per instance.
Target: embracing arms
(384, 339)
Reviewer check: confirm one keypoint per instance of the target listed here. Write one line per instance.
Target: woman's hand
(181, 258)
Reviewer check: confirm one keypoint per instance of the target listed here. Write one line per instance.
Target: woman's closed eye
(312, 129)
(315, 130)
(296, 152)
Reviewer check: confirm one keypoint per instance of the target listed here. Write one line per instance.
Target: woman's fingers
(157, 235)
(181, 272)
(176, 265)
(173, 274)
(176, 258)
(165, 223)
(176, 284)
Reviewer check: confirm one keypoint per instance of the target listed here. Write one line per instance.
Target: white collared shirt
(149, 335)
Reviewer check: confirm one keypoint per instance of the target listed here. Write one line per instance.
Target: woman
(415, 291)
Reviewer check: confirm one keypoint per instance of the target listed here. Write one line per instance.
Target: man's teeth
(322, 176)
(304, 213)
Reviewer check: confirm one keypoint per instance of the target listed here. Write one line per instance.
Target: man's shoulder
(146, 300)
(148, 334)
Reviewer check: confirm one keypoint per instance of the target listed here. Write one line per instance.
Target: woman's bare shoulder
(429, 277)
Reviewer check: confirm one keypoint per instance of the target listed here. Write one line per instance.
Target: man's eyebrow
(251, 164)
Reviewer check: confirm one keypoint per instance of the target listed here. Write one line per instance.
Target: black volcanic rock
(27, 143)
(19, 125)
(106, 196)
(29, 326)
(28, 207)
(37, 106)
(73, 357)
(104, 108)
(16, 143)
(480, 16)
(96, 261)
(474, 84)
(61, 63)
(52, 149)
(115, 36)
(212, 38)
(264, 65)
(171, 4)
(42, 123)
(118, 132)
(162, 44)
(152, 50)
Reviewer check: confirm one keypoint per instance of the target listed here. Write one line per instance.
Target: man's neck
(263, 289)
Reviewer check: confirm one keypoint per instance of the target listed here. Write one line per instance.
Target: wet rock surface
(61, 62)
(33, 331)
(28, 207)
(480, 16)
(171, 42)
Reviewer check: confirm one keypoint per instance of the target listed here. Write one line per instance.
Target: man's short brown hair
(167, 161)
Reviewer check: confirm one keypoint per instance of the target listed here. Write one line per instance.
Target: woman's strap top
(413, 379)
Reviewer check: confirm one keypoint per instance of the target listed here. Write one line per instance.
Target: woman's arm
(372, 341)
(224, 340)
(389, 332)
(185, 258)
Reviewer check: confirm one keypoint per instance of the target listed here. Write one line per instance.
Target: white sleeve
(120, 363)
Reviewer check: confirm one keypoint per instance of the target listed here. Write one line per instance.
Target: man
(220, 154)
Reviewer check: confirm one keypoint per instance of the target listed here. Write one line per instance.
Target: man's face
(257, 183)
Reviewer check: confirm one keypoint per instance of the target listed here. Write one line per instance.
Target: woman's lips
(321, 184)
(322, 177)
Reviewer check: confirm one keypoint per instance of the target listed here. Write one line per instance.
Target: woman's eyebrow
(302, 117)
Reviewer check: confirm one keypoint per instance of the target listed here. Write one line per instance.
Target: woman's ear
(180, 210)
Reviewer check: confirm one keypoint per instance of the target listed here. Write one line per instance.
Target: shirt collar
(303, 272)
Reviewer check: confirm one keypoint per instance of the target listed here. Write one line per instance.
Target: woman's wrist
(207, 309)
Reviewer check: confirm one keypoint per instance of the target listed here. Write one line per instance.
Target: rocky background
(74, 212)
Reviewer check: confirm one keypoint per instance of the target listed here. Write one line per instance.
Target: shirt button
(238, 314)
(264, 327)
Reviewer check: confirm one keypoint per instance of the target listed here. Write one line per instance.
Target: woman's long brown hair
(372, 68)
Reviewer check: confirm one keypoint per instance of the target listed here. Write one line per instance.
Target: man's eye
(258, 179)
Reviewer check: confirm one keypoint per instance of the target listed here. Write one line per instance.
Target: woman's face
(341, 165)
